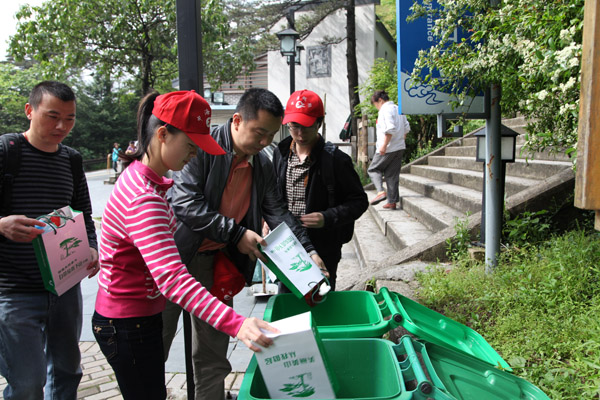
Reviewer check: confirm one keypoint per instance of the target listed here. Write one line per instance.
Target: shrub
(539, 310)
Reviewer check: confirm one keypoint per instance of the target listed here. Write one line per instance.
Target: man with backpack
(39, 331)
(317, 180)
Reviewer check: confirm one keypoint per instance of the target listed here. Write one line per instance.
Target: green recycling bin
(436, 368)
(355, 314)
(366, 369)
(377, 369)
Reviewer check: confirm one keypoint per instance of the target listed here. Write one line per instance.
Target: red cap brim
(207, 143)
(299, 118)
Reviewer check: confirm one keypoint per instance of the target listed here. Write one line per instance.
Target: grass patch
(540, 310)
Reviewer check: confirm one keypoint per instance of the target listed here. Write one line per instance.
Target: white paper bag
(295, 365)
(290, 262)
(63, 250)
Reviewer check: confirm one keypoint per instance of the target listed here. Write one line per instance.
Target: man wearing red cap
(220, 202)
(317, 180)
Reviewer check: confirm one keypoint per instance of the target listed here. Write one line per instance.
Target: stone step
(542, 155)
(461, 151)
(431, 213)
(513, 123)
(521, 153)
(400, 228)
(371, 244)
(471, 139)
(533, 169)
(470, 179)
(458, 197)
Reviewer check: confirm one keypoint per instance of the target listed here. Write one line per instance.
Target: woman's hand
(251, 333)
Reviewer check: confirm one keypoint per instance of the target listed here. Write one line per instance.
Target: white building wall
(383, 48)
(334, 89)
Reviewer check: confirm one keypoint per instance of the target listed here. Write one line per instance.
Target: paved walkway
(98, 380)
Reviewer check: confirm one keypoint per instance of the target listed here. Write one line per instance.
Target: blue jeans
(134, 349)
(39, 344)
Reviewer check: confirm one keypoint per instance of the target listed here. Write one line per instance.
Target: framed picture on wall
(319, 61)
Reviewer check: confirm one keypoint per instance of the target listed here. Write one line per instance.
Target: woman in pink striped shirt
(140, 264)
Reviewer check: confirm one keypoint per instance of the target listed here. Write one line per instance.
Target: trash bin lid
(436, 328)
(461, 375)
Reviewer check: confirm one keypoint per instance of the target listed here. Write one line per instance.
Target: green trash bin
(354, 314)
(377, 369)
(366, 369)
(460, 375)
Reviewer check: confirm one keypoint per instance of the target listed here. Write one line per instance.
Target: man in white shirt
(387, 161)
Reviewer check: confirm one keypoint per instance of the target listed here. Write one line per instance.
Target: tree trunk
(351, 63)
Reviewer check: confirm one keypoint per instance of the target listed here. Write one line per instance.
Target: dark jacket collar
(284, 147)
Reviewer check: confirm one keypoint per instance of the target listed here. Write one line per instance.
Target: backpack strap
(11, 161)
(76, 170)
(327, 171)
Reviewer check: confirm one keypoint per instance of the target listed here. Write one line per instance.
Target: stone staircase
(440, 188)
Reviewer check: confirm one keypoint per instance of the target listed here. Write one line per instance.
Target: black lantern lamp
(508, 144)
(298, 55)
(208, 95)
(288, 38)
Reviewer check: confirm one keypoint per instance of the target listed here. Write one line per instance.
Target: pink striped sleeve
(149, 223)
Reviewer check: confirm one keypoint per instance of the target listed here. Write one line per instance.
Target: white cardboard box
(295, 365)
(290, 261)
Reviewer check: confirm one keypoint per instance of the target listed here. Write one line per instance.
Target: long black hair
(147, 124)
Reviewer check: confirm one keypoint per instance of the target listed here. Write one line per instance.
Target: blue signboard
(424, 99)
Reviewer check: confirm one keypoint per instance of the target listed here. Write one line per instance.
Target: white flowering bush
(531, 47)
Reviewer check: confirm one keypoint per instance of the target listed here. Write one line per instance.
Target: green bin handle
(391, 305)
(412, 369)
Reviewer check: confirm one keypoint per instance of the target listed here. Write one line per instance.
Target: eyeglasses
(298, 128)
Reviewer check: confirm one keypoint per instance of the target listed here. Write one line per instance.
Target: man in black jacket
(317, 180)
(220, 202)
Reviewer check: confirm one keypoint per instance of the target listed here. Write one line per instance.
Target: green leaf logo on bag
(68, 244)
(299, 388)
(301, 265)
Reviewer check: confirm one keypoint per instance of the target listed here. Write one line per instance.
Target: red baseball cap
(303, 107)
(187, 111)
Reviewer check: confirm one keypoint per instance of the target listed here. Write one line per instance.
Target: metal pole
(293, 73)
(493, 181)
(191, 77)
(189, 46)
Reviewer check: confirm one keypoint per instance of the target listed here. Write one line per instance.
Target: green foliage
(118, 38)
(125, 38)
(383, 76)
(531, 48)
(104, 115)
(362, 174)
(427, 148)
(386, 11)
(539, 310)
(458, 245)
(526, 228)
(15, 85)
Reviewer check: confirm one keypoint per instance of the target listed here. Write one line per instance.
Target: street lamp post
(508, 147)
(288, 48)
(298, 55)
